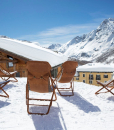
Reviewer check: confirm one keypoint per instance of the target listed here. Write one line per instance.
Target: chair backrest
(3, 72)
(68, 71)
(38, 76)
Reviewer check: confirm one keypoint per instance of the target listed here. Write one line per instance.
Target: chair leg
(6, 79)
(98, 92)
(7, 96)
(27, 94)
(1, 88)
(27, 102)
(104, 87)
(71, 88)
(15, 80)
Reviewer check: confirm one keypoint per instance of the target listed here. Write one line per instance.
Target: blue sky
(52, 21)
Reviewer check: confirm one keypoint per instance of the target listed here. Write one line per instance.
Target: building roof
(95, 67)
(31, 51)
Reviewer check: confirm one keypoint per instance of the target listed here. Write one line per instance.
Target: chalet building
(91, 72)
(14, 55)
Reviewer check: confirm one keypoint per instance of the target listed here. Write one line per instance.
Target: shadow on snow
(54, 120)
(111, 98)
(82, 103)
(4, 104)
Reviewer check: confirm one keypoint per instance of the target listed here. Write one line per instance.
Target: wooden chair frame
(6, 75)
(71, 88)
(28, 104)
(49, 100)
(108, 86)
(2, 85)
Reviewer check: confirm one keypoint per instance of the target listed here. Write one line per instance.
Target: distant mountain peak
(111, 19)
(54, 46)
(92, 45)
(107, 24)
(96, 46)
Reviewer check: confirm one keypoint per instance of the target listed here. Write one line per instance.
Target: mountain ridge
(91, 46)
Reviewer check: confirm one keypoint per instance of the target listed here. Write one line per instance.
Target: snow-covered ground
(83, 111)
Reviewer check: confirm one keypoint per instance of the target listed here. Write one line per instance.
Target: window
(105, 76)
(54, 72)
(98, 77)
(10, 64)
(83, 81)
(17, 74)
(105, 81)
(83, 75)
(77, 74)
(77, 78)
(91, 77)
(90, 81)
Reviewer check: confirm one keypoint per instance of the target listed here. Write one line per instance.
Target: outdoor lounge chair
(39, 80)
(108, 86)
(66, 75)
(5, 75)
(2, 85)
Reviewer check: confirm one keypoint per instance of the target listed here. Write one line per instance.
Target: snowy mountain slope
(74, 41)
(54, 46)
(106, 57)
(92, 45)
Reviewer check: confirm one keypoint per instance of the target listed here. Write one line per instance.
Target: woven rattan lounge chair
(109, 85)
(2, 85)
(66, 75)
(6, 75)
(39, 80)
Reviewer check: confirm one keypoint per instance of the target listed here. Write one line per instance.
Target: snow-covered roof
(96, 67)
(32, 51)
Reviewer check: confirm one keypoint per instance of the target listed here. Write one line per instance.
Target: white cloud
(60, 34)
(98, 17)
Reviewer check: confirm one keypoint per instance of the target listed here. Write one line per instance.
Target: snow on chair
(39, 80)
(2, 85)
(6, 75)
(66, 75)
